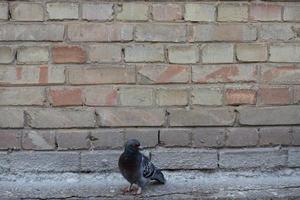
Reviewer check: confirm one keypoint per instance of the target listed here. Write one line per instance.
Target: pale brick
(27, 12)
(283, 115)
(32, 55)
(32, 32)
(144, 53)
(275, 136)
(147, 137)
(101, 75)
(282, 53)
(282, 74)
(38, 140)
(152, 74)
(201, 117)
(217, 53)
(296, 136)
(136, 96)
(274, 95)
(207, 96)
(171, 97)
(105, 53)
(11, 118)
(131, 117)
(133, 11)
(10, 139)
(223, 32)
(97, 11)
(160, 33)
(252, 52)
(175, 137)
(100, 95)
(91, 32)
(72, 139)
(22, 96)
(107, 139)
(3, 11)
(233, 12)
(294, 157)
(61, 118)
(281, 31)
(265, 12)
(62, 10)
(100, 161)
(183, 54)
(167, 12)
(200, 12)
(7, 55)
(239, 137)
(208, 137)
(240, 96)
(291, 13)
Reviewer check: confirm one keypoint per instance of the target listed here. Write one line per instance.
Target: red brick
(66, 96)
(10, 139)
(68, 54)
(265, 12)
(167, 12)
(274, 96)
(100, 96)
(240, 96)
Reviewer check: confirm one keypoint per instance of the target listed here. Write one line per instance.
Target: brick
(274, 96)
(251, 52)
(105, 53)
(160, 33)
(208, 137)
(22, 96)
(62, 10)
(252, 158)
(136, 96)
(100, 161)
(183, 54)
(68, 54)
(32, 32)
(233, 12)
(171, 97)
(201, 117)
(4, 162)
(185, 159)
(296, 94)
(91, 32)
(265, 12)
(296, 136)
(147, 137)
(133, 12)
(282, 74)
(10, 139)
(38, 140)
(294, 157)
(240, 96)
(223, 32)
(94, 75)
(167, 12)
(199, 12)
(131, 117)
(3, 11)
(11, 118)
(241, 137)
(217, 53)
(207, 96)
(27, 12)
(281, 53)
(175, 137)
(44, 161)
(276, 32)
(291, 13)
(72, 139)
(283, 115)
(107, 139)
(97, 11)
(100, 96)
(144, 53)
(7, 54)
(40, 75)
(61, 118)
(155, 74)
(65, 96)
(224, 73)
(275, 136)
(32, 55)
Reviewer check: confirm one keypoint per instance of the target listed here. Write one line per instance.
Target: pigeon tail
(158, 176)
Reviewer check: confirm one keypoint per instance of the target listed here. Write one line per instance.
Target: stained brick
(72, 139)
(167, 12)
(105, 53)
(171, 97)
(208, 137)
(27, 12)
(10, 139)
(99, 161)
(144, 53)
(7, 55)
(133, 11)
(175, 137)
(107, 138)
(100, 95)
(217, 53)
(294, 157)
(38, 140)
(199, 12)
(275, 136)
(207, 96)
(65, 96)
(183, 54)
(282, 74)
(136, 96)
(265, 12)
(239, 137)
(97, 11)
(296, 135)
(240, 96)
(68, 54)
(11, 118)
(147, 137)
(32, 55)
(291, 13)
(233, 12)
(3, 11)
(4, 162)
(274, 96)
(251, 52)
(62, 10)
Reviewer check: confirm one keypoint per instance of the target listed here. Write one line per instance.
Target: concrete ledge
(281, 184)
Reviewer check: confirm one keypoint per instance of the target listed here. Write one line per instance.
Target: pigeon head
(132, 145)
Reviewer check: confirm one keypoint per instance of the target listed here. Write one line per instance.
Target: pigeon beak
(140, 148)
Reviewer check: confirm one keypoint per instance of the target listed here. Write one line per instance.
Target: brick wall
(221, 79)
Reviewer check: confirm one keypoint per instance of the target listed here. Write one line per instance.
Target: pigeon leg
(128, 188)
(139, 191)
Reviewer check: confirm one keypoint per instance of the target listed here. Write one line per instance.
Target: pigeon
(137, 168)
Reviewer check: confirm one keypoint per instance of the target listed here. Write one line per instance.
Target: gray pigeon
(137, 168)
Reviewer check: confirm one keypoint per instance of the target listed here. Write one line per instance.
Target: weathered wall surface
(221, 79)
